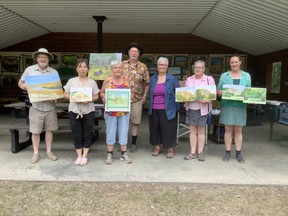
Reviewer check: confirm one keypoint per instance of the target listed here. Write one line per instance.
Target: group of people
(134, 75)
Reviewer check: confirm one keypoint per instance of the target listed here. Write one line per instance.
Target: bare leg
(123, 148)
(238, 137)
(201, 138)
(36, 142)
(228, 136)
(85, 152)
(48, 140)
(79, 152)
(110, 148)
(193, 138)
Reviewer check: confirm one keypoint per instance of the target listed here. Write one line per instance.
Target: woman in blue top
(233, 113)
(163, 109)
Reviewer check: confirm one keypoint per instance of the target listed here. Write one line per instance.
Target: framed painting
(100, 64)
(27, 61)
(10, 64)
(117, 100)
(69, 59)
(148, 60)
(182, 61)
(216, 64)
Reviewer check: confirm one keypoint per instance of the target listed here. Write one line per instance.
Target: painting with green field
(99, 64)
(117, 100)
(254, 95)
(184, 94)
(233, 92)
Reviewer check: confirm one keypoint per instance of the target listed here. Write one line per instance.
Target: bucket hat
(42, 51)
(136, 45)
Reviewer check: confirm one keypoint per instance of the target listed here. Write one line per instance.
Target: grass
(95, 198)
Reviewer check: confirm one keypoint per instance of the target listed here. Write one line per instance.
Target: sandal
(78, 161)
(170, 153)
(156, 151)
(84, 161)
(190, 156)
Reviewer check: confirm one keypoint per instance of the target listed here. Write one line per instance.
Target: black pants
(82, 129)
(162, 130)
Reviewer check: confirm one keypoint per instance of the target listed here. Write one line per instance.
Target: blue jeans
(114, 124)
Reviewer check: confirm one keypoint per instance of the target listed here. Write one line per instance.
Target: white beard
(43, 64)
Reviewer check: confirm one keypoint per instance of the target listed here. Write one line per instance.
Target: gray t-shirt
(81, 107)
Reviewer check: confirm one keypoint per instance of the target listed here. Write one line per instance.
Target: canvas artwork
(69, 60)
(117, 100)
(216, 65)
(44, 87)
(148, 60)
(254, 95)
(27, 61)
(184, 94)
(233, 92)
(80, 94)
(182, 61)
(10, 64)
(100, 64)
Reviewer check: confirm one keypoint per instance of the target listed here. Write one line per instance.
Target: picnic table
(17, 145)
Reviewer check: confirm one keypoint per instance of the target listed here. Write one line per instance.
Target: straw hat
(42, 51)
(136, 45)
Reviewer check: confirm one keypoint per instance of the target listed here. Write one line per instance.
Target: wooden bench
(17, 145)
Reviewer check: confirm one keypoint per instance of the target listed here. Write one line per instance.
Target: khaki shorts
(136, 112)
(39, 120)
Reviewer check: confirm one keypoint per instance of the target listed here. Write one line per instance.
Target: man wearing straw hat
(41, 114)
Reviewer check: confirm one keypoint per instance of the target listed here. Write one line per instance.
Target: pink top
(159, 97)
(195, 105)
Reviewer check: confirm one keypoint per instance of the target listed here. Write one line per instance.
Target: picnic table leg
(17, 146)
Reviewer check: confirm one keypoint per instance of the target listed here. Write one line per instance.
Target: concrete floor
(266, 162)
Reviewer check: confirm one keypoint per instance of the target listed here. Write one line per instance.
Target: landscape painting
(254, 95)
(80, 94)
(44, 87)
(117, 100)
(233, 92)
(100, 64)
(184, 94)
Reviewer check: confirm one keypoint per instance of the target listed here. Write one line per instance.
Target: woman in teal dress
(233, 112)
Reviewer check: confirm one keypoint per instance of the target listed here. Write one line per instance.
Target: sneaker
(227, 157)
(109, 158)
(201, 157)
(51, 156)
(190, 156)
(35, 158)
(133, 148)
(239, 158)
(125, 158)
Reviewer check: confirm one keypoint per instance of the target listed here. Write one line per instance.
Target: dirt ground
(95, 198)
